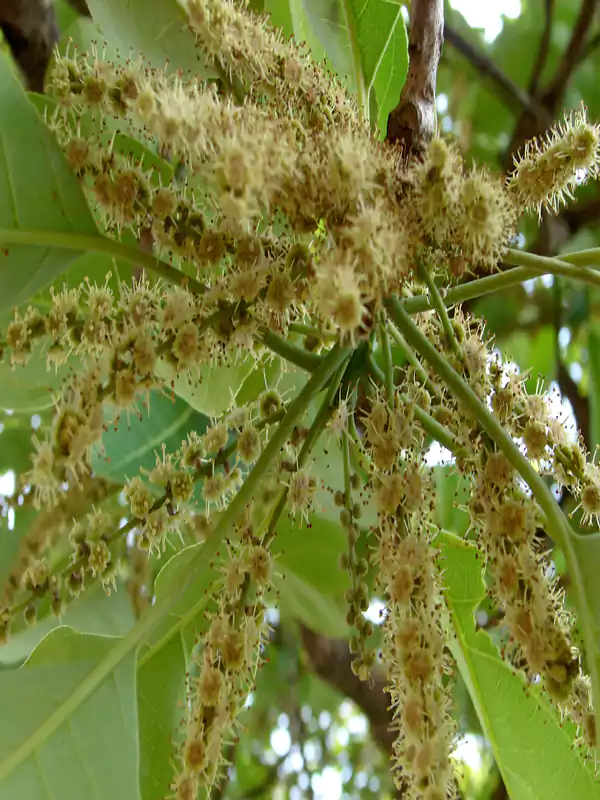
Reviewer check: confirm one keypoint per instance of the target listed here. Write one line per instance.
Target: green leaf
(300, 599)
(290, 16)
(586, 547)
(213, 391)
(312, 553)
(594, 392)
(54, 743)
(158, 33)
(15, 447)
(93, 613)
(534, 354)
(161, 692)
(365, 40)
(29, 387)
(192, 598)
(132, 444)
(532, 747)
(451, 491)
(37, 190)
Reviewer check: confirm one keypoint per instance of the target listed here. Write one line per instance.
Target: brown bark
(412, 123)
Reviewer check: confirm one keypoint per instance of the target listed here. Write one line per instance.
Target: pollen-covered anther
(186, 345)
(194, 754)
(214, 488)
(498, 470)
(589, 500)
(301, 489)
(210, 685)
(486, 220)
(215, 438)
(340, 297)
(548, 171)
(260, 565)
(248, 445)
(390, 492)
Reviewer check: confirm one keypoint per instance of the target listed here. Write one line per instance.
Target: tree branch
(412, 123)
(331, 660)
(582, 214)
(30, 29)
(553, 95)
(513, 95)
(544, 47)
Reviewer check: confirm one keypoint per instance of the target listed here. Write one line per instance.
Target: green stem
(346, 462)
(102, 244)
(310, 330)
(290, 352)
(315, 430)
(412, 359)
(358, 455)
(553, 266)
(558, 526)
(388, 362)
(433, 427)
(428, 423)
(473, 289)
(437, 303)
(233, 84)
(586, 258)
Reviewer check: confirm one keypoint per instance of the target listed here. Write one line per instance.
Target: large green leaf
(312, 553)
(307, 576)
(158, 32)
(59, 745)
(161, 692)
(532, 747)
(37, 191)
(289, 15)
(366, 41)
(134, 443)
(93, 613)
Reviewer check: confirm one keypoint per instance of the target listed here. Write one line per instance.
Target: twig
(553, 95)
(567, 386)
(412, 123)
(512, 94)
(589, 48)
(542, 55)
(582, 214)
(331, 660)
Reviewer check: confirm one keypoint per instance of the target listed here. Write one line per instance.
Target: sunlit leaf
(532, 747)
(37, 191)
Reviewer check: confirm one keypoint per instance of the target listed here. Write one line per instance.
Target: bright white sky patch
(7, 483)
(469, 751)
(487, 14)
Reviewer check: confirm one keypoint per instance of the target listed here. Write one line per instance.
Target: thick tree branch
(331, 660)
(511, 93)
(412, 123)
